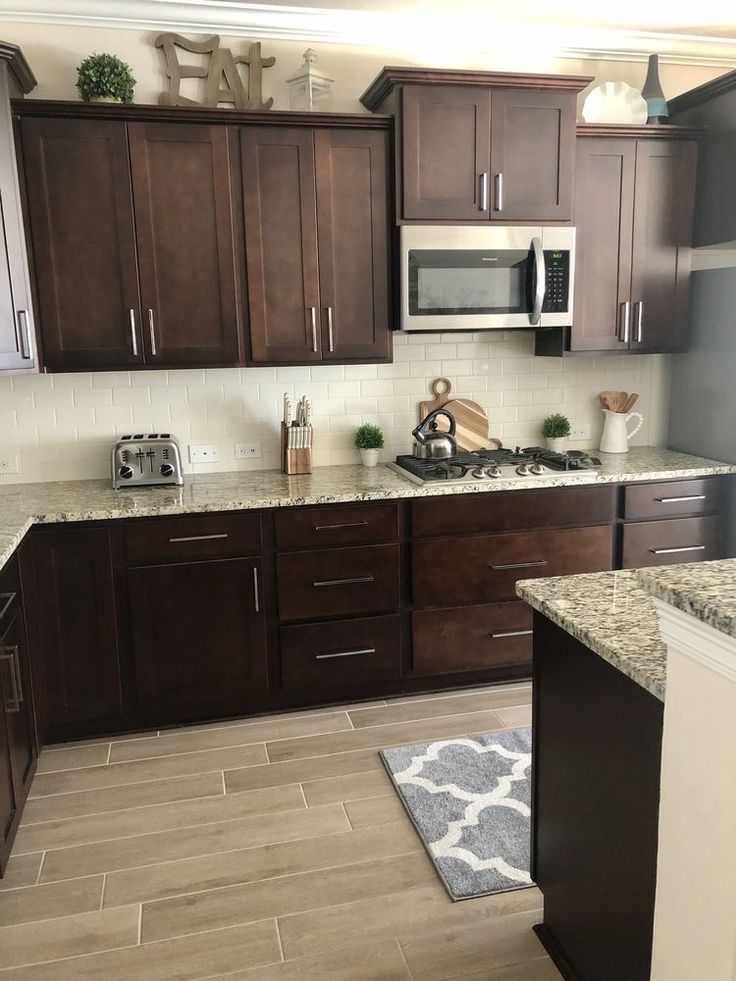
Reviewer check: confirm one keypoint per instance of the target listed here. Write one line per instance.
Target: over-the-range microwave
(476, 278)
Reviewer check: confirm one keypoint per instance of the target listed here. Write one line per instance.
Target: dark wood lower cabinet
(595, 806)
(198, 635)
(677, 540)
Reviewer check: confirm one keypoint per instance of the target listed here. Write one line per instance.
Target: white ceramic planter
(107, 98)
(369, 457)
(558, 444)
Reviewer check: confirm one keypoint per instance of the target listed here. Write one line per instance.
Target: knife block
(295, 461)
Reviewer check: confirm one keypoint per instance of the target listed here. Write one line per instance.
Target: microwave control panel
(557, 281)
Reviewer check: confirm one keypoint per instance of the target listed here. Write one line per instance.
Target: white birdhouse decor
(309, 87)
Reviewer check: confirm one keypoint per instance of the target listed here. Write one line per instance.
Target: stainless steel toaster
(142, 460)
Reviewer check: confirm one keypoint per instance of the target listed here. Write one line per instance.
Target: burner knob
(523, 470)
(167, 470)
(478, 472)
(536, 468)
(126, 472)
(494, 471)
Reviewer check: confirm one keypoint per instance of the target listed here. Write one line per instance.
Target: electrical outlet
(581, 432)
(247, 451)
(204, 453)
(9, 464)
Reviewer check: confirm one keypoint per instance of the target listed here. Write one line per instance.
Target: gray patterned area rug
(469, 799)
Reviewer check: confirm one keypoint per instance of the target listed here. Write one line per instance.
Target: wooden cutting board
(471, 421)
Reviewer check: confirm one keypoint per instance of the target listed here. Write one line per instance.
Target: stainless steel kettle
(430, 443)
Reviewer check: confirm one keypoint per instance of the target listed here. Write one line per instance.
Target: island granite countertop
(612, 614)
(22, 505)
(705, 590)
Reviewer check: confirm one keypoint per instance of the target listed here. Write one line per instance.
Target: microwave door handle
(539, 282)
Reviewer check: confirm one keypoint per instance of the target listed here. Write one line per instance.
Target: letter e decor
(222, 78)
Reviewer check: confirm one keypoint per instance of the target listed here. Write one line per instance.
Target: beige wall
(61, 426)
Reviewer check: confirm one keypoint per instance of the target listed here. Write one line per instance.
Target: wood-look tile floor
(263, 850)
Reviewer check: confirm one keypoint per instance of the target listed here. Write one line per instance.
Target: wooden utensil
(630, 402)
(441, 388)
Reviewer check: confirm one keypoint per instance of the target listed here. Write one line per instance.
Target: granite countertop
(705, 590)
(22, 505)
(612, 614)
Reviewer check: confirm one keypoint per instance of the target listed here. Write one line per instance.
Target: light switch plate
(9, 464)
(204, 453)
(581, 432)
(247, 451)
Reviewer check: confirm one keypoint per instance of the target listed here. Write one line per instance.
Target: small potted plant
(105, 78)
(556, 430)
(369, 440)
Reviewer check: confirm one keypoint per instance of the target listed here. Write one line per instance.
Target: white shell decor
(615, 102)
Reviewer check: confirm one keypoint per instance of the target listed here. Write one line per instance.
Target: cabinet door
(663, 228)
(604, 210)
(532, 155)
(18, 707)
(69, 587)
(352, 215)
(198, 639)
(446, 133)
(8, 809)
(82, 233)
(184, 233)
(281, 244)
(17, 342)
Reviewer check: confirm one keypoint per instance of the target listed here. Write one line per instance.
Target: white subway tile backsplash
(61, 426)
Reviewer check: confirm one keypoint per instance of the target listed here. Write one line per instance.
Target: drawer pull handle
(351, 524)
(10, 654)
(510, 633)
(343, 582)
(5, 600)
(363, 650)
(518, 565)
(198, 538)
(676, 500)
(682, 548)
(256, 598)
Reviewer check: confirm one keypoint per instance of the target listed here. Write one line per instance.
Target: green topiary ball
(105, 76)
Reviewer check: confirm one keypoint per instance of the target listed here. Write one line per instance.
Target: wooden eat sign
(222, 78)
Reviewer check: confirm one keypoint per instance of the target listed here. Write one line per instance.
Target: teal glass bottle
(657, 111)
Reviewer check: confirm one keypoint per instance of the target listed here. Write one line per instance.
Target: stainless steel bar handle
(684, 497)
(5, 600)
(349, 524)
(327, 657)
(152, 332)
(256, 597)
(343, 582)
(313, 315)
(26, 340)
(10, 654)
(133, 337)
(672, 551)
(484, 192)
(330, 330)
(518, 565)
(198, 538)
(511, 633)
(638, 328)
(499, 191)
(624, 320)
(540, 276)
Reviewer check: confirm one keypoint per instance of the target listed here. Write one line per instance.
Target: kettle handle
(418, 433)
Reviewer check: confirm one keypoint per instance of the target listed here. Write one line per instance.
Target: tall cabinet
(17, 332)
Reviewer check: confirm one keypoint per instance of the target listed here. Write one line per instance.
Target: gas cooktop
(484, 465)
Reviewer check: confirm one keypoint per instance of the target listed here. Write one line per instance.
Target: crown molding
(697, 640)
(365, 27)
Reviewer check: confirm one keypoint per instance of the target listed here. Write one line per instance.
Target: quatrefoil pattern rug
(469, 799)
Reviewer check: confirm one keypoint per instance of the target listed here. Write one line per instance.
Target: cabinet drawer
(664, 542)
(342, 654)
(474, 571)
(336, 524)
(674, 499)
(10, 595)
(495, 513)
(192, 537)
(338, 582)
(473, 638)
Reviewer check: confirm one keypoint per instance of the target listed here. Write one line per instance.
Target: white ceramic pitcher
(616, 435)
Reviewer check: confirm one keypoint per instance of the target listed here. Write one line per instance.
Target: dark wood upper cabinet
(281, 244)
(17, 333)
(184, 236)
(316, 241)
(83, 239)
(481, 146)
(446, 147)
(352, 218)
